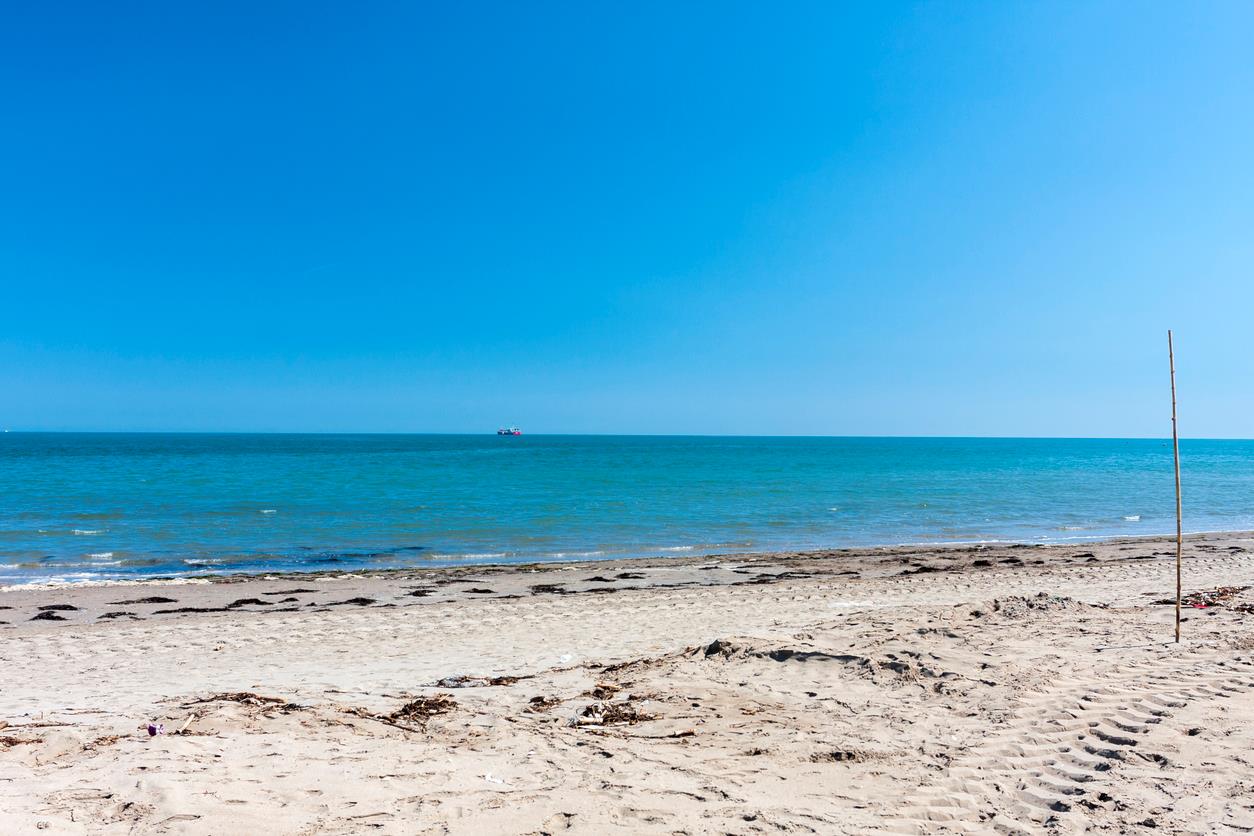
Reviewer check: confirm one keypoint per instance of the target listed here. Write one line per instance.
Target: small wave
(577, 554)
(674, 549)
(269, 511)
(1133, 518)
(1071, 528)
(100, 555)
(88, 531)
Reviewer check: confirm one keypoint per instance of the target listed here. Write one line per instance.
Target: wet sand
(927, 690)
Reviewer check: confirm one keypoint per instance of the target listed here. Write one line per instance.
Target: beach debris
(421, 591)
(1221, 596)
(117, 614)
(57, 608)
(250, 699)
(47, 615)
(602, 691)
(843, 756)
(462, 681)
(154, 599)
(246, 602)
(423, 708)
(603, 713)
(413, 715)
(289, 591)
(358, 602)
(479, 590)
(8, 741)
(539, 704)
(549, 589)
(630, 576)
(155, 729)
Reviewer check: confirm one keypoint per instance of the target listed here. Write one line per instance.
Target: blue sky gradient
(936, 219)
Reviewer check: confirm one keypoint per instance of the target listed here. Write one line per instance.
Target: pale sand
(860, 694)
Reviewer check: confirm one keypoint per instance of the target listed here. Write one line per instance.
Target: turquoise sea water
(107, 506)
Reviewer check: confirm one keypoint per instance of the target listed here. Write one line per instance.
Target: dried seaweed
(423, 708)
(540, 704)
(611, 714)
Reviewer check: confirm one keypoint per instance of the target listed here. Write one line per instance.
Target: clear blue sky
(828, 218)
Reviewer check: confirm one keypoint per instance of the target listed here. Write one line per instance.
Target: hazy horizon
(491, 431)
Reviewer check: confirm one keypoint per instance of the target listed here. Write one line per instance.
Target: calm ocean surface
(108, 506)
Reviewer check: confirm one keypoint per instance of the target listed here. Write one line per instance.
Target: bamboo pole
(1175, 444)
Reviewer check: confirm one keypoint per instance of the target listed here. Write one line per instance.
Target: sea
(106, 507)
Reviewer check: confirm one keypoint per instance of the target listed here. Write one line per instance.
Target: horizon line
(619, 435)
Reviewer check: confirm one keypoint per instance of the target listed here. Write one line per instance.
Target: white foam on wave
(469, 556)
(86, 531)
(100, 555)
(1133, 518)
(269, 511)
(91, 579)
(578, 554)
(676, 548)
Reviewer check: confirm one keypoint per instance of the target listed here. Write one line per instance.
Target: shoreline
(1021, 688)
(531, 565)
(508, 581)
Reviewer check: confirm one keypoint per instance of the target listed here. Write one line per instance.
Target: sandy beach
(1016, 689)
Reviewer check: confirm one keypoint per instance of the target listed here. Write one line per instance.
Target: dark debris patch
(843, 756)
(250, 699)
(611, 714)
(248, 602)
(154, 599)
(540, 704)
(423, 708)
(462, 681)
(357, 602)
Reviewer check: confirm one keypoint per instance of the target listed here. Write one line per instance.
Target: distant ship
(509, 431)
